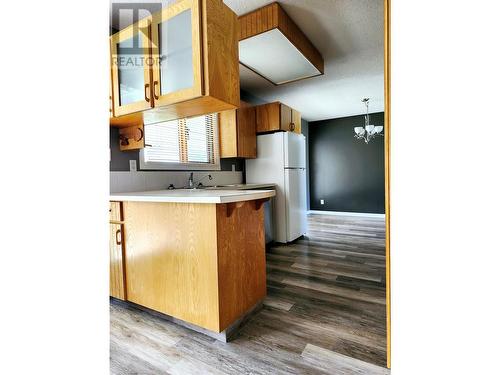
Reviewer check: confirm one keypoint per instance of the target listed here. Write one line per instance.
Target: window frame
(190, 166)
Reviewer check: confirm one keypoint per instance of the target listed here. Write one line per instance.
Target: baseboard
(340, 213)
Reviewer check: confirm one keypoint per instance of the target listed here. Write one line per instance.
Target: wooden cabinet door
(297, 121)
(171, 260)
(176, 51)
(268, 117)
(237, 134)
(130, 68)
(116, 269)
(277, 116)
(228, 134)
(247, 137)
(285, 117)
(116, 261)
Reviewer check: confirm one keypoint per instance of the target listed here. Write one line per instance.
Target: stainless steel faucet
(198, 184)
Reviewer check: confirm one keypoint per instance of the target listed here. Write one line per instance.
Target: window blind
(184, 141)
(163, 142)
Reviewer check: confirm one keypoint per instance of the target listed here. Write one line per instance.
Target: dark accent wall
(347, 173)
(305, 132)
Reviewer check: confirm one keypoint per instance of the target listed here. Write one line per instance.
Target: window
(189, 143)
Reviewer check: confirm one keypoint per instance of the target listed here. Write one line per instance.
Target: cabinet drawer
(115, 211)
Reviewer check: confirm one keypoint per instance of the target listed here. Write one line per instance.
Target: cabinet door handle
(118, 233)
(292, 126)
(146, 88)
(155, 85)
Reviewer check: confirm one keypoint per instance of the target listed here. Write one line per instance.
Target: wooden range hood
(273, 46)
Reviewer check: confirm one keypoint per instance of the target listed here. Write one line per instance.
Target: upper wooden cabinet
(177, 53)
(184, 63)
(237, 133)
(131, 75)
(277, 116)
(296, 121)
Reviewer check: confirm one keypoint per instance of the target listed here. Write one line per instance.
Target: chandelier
(367, 132)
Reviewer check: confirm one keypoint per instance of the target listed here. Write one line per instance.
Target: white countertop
(193, 196)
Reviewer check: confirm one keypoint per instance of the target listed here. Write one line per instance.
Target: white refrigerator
(281, 159)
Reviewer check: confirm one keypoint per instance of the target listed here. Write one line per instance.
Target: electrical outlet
(233, 167)
(133, 165)
(322, 201)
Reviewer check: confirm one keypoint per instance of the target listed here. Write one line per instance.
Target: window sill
(157, 166)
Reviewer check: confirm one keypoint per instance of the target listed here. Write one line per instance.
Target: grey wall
(250, 98)
(120, 159)
(347, 173)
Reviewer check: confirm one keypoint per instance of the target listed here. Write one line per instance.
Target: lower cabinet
(116, 260)
(201, 263)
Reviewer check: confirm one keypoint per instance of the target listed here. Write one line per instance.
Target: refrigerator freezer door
(295, 150)
(269, 160)
(296, 206)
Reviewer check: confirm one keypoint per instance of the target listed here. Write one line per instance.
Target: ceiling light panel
(273, 46)
(275, 58)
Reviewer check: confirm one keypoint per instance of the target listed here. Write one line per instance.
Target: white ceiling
(350, 36)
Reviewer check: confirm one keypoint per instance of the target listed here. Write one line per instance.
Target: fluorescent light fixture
(274, 47)
(275, 58)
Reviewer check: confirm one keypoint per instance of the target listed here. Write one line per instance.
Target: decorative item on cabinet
(237, 130)
(132, 138)
(277, 116)
(131, 128)
(201, 75)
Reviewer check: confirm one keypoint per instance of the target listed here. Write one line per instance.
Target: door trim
(387, 158)
(167, 13)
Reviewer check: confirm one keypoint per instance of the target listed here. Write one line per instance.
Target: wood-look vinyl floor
(324, 314)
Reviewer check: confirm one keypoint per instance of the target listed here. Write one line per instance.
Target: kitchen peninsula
(194, 255)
